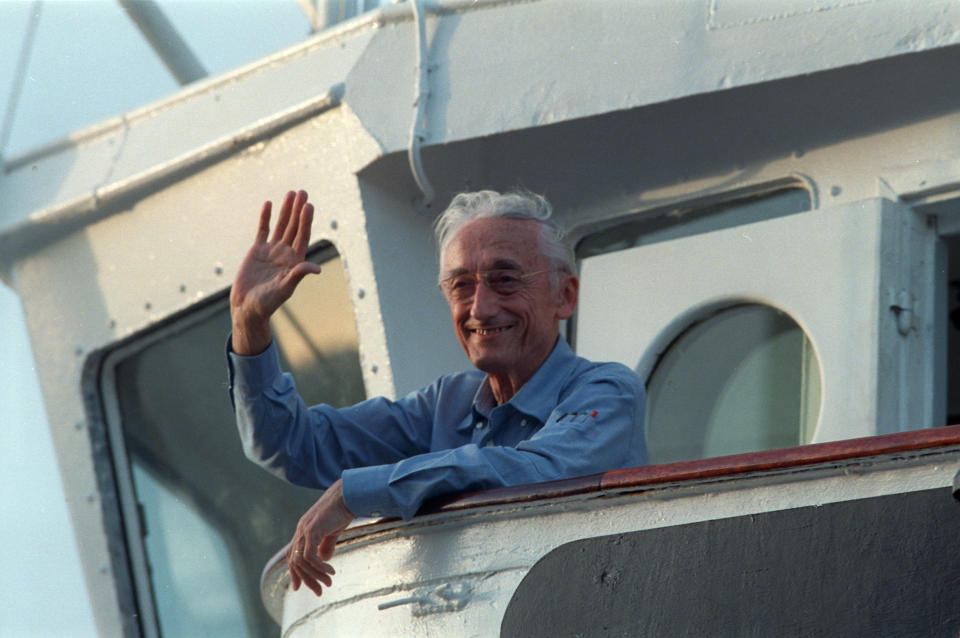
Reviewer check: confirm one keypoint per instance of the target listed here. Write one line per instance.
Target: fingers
(296, 218)
(316, 571)
(263, 228)
(312, 583)
(294, 577)
(283, 219)
(327, 545)
(315, 539)
(293, 222)
(302, 239)
(306, 569)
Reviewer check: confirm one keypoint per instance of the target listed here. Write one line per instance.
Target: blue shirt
(573, 417)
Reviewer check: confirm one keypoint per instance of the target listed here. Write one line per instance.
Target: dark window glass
(211, 517)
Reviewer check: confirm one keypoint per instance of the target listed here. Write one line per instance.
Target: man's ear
(567, 296)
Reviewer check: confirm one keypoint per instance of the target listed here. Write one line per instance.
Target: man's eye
(504, 279)
(460, 283)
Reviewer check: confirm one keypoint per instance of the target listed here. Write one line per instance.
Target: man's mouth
(490, 331)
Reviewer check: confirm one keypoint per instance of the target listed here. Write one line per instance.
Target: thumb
(328, 545)
(298, 272)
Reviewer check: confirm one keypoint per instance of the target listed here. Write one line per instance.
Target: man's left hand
(315, 539)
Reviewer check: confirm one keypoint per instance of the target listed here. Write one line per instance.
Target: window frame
(129, 509)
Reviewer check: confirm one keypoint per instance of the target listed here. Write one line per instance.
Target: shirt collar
(540, 394)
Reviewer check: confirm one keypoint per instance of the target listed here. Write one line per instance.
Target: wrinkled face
(506, 331)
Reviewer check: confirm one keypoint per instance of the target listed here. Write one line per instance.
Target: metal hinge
(903, 306)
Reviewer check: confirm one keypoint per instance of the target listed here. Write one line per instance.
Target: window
(744, 380)
(208, 517)
(686, 297)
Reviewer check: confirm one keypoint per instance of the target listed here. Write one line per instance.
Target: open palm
(271, 271)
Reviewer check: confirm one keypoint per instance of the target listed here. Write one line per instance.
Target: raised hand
(315, 539)
(270, 272)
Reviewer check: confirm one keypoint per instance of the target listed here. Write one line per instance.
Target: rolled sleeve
(312, 446)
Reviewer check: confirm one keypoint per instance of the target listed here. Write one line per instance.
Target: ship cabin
(765, 203)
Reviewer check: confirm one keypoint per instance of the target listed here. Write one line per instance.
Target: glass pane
(194, 582)
(212, 517)
(745, 380)
(684, 222)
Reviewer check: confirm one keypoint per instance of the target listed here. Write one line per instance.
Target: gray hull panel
(885, 566)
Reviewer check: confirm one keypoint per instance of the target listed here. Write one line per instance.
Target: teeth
(488, 331)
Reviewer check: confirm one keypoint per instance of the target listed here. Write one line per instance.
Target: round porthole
(744, 380)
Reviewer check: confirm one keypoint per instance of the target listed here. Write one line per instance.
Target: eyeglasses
(502, 282)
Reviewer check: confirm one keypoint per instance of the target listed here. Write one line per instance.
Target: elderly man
(531, 411)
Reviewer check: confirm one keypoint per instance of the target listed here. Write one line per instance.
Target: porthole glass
(744, 380)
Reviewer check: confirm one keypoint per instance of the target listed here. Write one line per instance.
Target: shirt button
(480, 425)
(523, 423)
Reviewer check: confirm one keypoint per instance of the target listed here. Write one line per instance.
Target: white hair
(466, 207)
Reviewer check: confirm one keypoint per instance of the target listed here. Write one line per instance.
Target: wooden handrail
(716, 467)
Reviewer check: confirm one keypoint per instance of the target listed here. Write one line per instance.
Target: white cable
(422, 92)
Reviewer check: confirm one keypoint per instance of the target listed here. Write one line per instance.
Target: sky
(87, 62)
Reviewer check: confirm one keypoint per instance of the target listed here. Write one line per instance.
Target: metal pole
(165, 40)
(19, 75)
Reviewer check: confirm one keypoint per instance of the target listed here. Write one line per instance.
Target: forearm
(400, 489)
(597, 429)
(250, 336)
(312, 446)
(277, 431)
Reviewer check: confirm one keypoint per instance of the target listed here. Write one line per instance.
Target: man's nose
(486, 303)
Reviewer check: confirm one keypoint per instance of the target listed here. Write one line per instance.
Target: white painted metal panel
(825, 268)
(485, 553)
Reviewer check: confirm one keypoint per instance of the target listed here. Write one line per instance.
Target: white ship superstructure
(764, 199)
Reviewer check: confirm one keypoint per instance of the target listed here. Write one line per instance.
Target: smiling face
(507, 337)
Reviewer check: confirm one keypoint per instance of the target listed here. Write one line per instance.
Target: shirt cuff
(251, 375)
(365, 492)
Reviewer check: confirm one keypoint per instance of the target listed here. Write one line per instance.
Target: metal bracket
(434, 600)
(902, 305)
